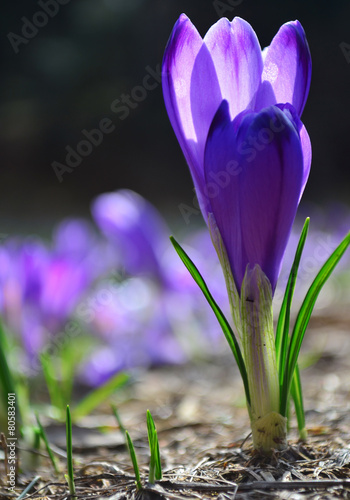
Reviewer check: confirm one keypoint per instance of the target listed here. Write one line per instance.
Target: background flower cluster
(117, 283)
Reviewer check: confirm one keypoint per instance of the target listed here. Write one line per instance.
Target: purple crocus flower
(255, 209)
(139, 236)
(156, 304)
(236, 113)
(135, 228)
(75, 239)
(41, 286)
(22, 270)
(132, 321)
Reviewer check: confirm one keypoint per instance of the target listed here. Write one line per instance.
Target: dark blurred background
(65, 77)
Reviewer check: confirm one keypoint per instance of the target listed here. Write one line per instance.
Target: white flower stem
(258, 344)
(253, 318)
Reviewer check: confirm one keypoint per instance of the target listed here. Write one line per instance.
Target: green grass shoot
(51, 380)
(69, 360)
(98, 395)
(118, 419)
(282, 330)
(7, 380)
(47, 444)
(155, 468)
(303, 318)
(297, 396)
(134, 461)
(59, 393)
(70, 474)
(226, 328)
(282, 333)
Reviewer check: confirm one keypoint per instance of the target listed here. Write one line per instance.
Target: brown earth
(204, 437)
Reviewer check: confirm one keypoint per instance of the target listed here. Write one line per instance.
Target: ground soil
(204, 437)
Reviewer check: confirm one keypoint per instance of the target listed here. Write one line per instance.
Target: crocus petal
(236, 53)
(290, 111)
(73, 238)
(205, 96)
(223, 185)
(64, 285)
(270, 193)
(307, 154)
(180, 54)
(287, 69)
(135, 228)
(254, 205)
(190, 99)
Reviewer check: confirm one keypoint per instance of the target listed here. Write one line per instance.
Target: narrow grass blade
(71, 352)
(118, 419)
(7, 381)
(52, 383)
(70, 475)
(304, 317)
(47, 444)
(226, 328)
(155, 468)
(151, 433)
(69, 362)
(97, 396)
(282, 330)
(158, 472)
(134, 461)
(37, 435)
(297, 395)
(28, 488)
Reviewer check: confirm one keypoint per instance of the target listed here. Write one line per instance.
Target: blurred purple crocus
(40, 286)
(134, 326)
(139, 236)
(135, 228)
(154, 315)
(235, 110)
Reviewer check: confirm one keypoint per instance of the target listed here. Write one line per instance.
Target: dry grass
(202, 426)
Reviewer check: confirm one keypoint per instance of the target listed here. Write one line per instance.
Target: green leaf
(7, 382)
(226, 328)
(159, 473)
(118, 419)
(69, 358)
(282, 330)
(304, 315)
(155, 469)
(297, 395)
(52, 383)
(134, 461)
(97, 396)
(47, 444)
(70, 475)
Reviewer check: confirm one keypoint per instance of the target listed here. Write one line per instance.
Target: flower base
(270, 433)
